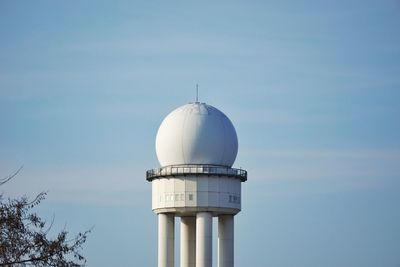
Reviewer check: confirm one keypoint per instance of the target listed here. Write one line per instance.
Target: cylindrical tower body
(196, 145)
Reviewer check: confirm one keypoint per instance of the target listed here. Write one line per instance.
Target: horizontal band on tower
(194, 169)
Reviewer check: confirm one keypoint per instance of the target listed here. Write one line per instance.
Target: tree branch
(8, 178)
(25, 261)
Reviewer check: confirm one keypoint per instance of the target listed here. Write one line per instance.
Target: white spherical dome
(196, 133)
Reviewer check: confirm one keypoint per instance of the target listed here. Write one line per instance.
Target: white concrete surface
(166, 239)
(192, 191)
(225, 241)
(203, 239)
(188, 241)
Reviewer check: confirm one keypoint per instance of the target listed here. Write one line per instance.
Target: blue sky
(312, 87)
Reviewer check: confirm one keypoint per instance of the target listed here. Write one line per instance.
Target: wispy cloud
(339, 169)
(101, 186)
(165, 45)
(263, 115)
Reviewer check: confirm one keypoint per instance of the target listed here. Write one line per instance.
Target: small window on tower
(190, 197)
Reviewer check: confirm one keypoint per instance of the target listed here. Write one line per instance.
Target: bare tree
(24, 236)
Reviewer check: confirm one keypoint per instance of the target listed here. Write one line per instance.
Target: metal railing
(183, 170)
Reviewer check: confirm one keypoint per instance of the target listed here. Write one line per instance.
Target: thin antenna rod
(197, 93)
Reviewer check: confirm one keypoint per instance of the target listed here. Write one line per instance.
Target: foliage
(24, 236)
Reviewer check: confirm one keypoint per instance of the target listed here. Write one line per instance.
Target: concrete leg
(166, 238)
(188, 241)
(225, 240)
(203, 239)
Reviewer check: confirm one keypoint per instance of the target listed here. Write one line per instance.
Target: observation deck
(196, 169)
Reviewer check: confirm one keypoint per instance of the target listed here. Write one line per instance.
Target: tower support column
(225, 240)
(203, 239)
(188, 241)
(166, 239)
